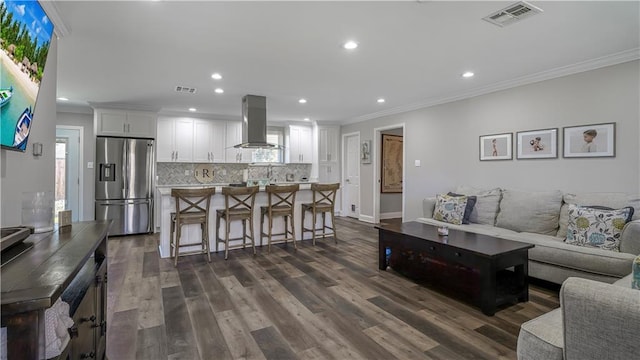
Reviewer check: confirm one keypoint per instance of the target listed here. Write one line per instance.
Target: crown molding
(587, 65)
(73, 108)
(196, 115)
(60, 27)
(123, 106)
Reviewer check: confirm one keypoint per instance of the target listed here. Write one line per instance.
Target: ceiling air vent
(512, 13)
(185, 89)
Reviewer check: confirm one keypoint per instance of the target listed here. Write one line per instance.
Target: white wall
(23, 172)
(445, 138)
(85, 121)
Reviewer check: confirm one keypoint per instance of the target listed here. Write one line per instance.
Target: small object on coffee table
(443, 230)
(64, 218)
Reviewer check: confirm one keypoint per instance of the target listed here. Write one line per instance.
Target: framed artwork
(597, 140)
(365, 152)
(537, 144)
(391, 179)
(496, 147)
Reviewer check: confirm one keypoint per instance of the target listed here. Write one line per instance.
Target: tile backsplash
(183, 173)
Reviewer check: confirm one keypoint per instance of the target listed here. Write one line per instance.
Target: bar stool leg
(313, 228)
(293, 231)
(333, 226)
(253, 243)
(324, 225)
(286, 229)
(270, 231)
(205, 239)
(302, 221)
(244, 234)
(178, 234)
(261, 227)
(226, 240)
(217, 232)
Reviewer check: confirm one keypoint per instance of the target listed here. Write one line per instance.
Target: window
(274, 136)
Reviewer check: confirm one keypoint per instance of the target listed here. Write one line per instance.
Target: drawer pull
(432, 247)
(458, 254)
(73, 331)
(91, 318)
(89, 355)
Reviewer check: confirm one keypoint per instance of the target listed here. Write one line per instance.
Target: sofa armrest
(601, 321)
(630, 238)
(428, 205)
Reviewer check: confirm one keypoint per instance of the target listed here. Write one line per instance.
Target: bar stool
(324, 199)
(238, 205)
(281, 200)
(195, 211)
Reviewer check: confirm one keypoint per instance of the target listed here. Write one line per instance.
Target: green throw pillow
(450, 209)
(596, 228)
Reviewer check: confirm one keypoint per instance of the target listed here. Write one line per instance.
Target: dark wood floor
(322, 302)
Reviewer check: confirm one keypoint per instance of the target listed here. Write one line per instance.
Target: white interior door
(68, 171)
(351, 194)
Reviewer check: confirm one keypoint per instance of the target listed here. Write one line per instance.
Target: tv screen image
(25, 35)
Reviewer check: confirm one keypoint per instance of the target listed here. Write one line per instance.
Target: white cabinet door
(164, 141)
(141, 124)
(328, 144)
(111, 122)
(217, 141)
(300, 144)
(202, 135)
(234, 137)
(183, 140)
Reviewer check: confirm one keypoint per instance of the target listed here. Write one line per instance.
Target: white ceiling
(411, 53)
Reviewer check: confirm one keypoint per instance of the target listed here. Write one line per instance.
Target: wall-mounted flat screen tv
(25, 35)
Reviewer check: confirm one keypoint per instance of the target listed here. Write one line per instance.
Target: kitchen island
(192, 233)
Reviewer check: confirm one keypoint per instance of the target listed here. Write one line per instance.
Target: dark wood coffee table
(484, 270)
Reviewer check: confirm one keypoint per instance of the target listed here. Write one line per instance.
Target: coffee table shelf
(484, 270)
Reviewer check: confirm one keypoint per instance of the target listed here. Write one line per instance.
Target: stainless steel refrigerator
(124, 184)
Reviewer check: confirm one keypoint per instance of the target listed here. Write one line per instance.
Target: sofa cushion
(471, 202)
(450, 209)
(542, 337)
(595, 227)
(487, 204)
(612, 200)
(536, 212)
(554, 251)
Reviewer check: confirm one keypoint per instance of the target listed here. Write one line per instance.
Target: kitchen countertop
(166, 189)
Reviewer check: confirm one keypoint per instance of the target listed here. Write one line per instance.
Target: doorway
(68, 182)
(394, 204)
(351, 175)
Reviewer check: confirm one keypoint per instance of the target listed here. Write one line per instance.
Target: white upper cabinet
(209, 141)
(328, 143)
(234, 137)
(175, 140)
(113, 122)
(300, 144)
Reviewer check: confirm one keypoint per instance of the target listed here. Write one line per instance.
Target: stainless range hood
(254, 123)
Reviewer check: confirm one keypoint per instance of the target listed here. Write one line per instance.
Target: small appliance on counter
(304, 179)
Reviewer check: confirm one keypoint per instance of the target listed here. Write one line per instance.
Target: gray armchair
(595, 321)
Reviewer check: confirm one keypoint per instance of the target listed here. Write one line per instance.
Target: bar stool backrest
(195, 201)
(239, 198)
(282, 195)
(324, 194)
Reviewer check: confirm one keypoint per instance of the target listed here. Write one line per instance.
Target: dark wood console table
(469, 266)
(69, 263)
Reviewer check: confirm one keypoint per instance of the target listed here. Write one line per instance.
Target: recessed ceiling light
(218, 91)
(350, 45)
(302, 101)
(380, 101)
(307, 119)
(216, 76)
(192, 109)
(468, 74)
(63, 99)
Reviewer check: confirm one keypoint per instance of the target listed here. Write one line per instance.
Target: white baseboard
(366, 218)
(391, 215)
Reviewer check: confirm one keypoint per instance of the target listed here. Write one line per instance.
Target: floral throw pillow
(596, 227)
(450, 208)
(635, 279)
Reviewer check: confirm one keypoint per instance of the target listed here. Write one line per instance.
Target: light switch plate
(64, 218)
(417, 163)
(90, 165)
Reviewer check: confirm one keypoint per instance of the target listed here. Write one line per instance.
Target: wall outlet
(417, 162)
(186, 172)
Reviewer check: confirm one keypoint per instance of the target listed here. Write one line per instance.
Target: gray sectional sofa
(541, 218)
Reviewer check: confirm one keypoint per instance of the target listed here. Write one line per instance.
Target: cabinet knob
(432, 247)
(458, 254)
(100, 325)
(73, 331)
(91, 318)
(89, 355)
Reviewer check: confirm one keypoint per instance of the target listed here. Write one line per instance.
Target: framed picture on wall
(597, 140)
(365, 152)
(391, 179)
(496, 147)
(537, 144)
